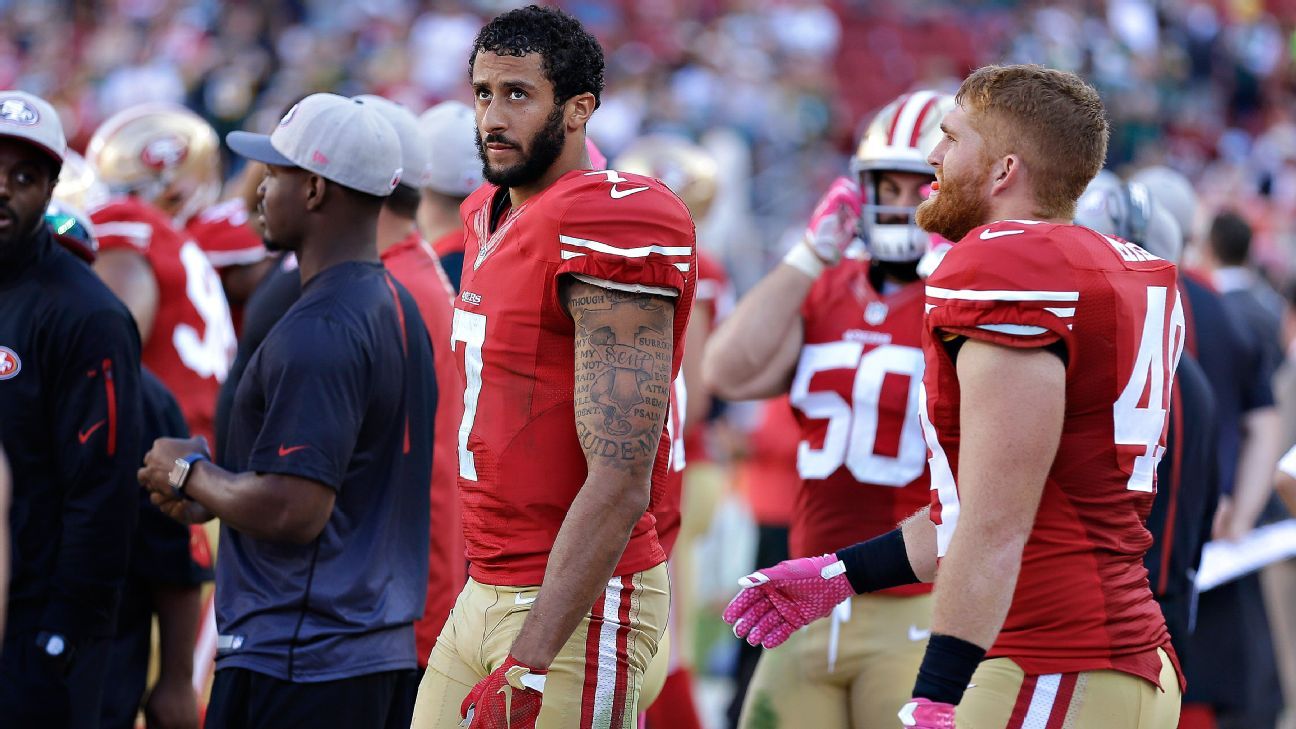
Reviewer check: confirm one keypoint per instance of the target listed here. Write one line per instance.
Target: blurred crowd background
(778, 90)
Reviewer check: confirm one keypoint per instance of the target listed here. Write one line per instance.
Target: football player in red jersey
(1050, 355)
(843, 335)
(454, 171)
(691, 172)
(576, 290)
(412, 262)
(161, 274)
(170, 157)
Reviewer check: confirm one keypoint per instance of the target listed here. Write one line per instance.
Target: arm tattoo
(623, 367)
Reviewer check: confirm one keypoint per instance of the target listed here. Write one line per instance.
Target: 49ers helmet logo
(10, 365)
(17, 111)
(164, 152)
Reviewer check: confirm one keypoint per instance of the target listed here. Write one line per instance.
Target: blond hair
(1052, 119)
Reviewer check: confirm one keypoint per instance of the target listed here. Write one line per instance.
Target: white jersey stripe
(140, 234)
(1019, 330)
(640, 252)
(1041, 705)
(1059, 311)
(977, 295)
(568, 255)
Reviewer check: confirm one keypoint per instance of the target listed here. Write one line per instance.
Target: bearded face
(960, 202)
(536, 154)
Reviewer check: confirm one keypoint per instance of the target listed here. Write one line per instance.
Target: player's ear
(579, 110)
(315, 187)
(1005, 172)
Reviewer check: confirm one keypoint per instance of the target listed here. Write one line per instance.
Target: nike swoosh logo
(988, 235)
(285, 451)
(916, 634)
(84, 435)
(519, 600)
(618, 194)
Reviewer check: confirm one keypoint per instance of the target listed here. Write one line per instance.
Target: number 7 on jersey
(470, 329)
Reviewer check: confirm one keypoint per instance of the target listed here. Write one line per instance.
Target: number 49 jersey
(862, 457)
(521, 461)
(1082, 600)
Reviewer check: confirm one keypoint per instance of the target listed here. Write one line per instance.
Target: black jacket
(70, 423)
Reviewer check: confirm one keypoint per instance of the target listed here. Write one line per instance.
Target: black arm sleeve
(96, 420)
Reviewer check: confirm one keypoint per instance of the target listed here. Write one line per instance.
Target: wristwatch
(180, 473)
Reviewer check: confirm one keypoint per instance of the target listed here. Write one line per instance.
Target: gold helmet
(78, 185)
(898, 140)
(686, 168)
(163, 153)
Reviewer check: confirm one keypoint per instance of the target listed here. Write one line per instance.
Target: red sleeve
(713, 288)
(1007, 283)
(117, 228)
(223, 234)
(641, 238)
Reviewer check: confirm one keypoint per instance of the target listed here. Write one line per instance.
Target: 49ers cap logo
(18, 111)
(164, 152)
(10, 365)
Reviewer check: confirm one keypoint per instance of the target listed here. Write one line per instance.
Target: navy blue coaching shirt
(342, 392)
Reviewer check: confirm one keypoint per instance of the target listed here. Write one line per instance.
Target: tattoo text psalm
(623, 366)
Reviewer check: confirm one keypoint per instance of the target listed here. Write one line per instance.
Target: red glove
(925, 714)
(777, 601)
(834, 221)
(509, 698)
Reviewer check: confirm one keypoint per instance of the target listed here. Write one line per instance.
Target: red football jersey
(222, 232)
(452, 242)
(191, 344)
(714, 301)
(1082, 600)
(520, 459)
(768, 474)
(416, 267)
(667, 508)
(862, 457)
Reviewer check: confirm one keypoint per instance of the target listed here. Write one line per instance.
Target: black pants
(37, 692)
(243, 699)
(128, 663)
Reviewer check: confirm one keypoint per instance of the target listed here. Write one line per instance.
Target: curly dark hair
(571, 58)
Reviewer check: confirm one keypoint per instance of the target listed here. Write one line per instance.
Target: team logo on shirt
(875, 313)
(10, 365)
(164, 152)
(17, 111)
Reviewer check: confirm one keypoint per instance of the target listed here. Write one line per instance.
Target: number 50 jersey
(520, 459)
(1082, 600)
(862, 457)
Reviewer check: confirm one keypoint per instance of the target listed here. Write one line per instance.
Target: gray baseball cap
(342, 140)
(449, 131)
(414, 153)
(32, 119)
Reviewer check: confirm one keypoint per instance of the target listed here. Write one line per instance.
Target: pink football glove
(925, 714)
(834, 221)
(776, 602)
(509, 698)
